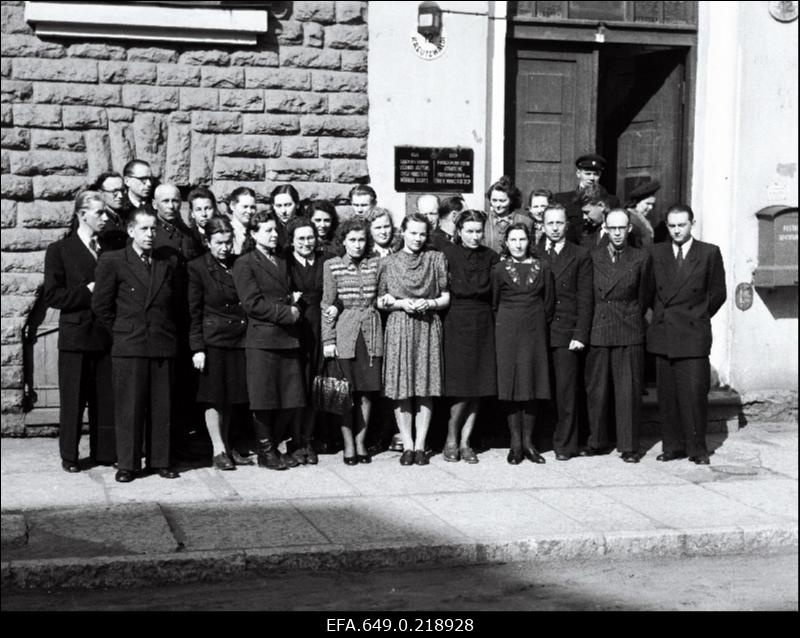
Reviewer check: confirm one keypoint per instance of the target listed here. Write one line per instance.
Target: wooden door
(642, 111)
(554, 116)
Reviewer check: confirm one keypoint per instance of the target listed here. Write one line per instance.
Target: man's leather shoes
(560, 456)
(533, 455)
(630, 457)
(70, 466)
(124, 476)
(671, 456)
(168, 473)
(701, 459)
(223, 462)
(239, 459)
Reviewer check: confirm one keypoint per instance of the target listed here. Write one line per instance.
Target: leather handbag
(332, 393)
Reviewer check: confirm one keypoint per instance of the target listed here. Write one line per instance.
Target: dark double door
(623, 101)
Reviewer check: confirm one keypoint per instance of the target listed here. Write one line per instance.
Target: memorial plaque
(433, 170)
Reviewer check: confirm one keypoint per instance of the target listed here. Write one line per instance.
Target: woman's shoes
(420, 458)
(364, 458)
(407, 457)
(350, 460)
(468, 455)
(514, 457)
(533, 455)
(223, 462)
(450, 453)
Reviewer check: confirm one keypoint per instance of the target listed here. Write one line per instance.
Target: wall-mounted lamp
(429, 20)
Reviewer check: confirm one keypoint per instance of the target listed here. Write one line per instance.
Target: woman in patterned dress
(412, 287)
(522, 293)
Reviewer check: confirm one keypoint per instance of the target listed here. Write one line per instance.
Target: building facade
(700, 95)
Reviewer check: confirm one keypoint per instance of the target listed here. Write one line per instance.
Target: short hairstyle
(468, 216)
(262, 217)
(363, 189)
(127, 171)
(540, 192)
(377, 212)
(285, 189)
(680, 208)
(98, 183)
(505, 185)
(201, 192)
(451, 205)
(233, 198)
(217, 225)
(594, 194)
(327, 207)
(138, 212)
(423, 196)
(351, 224)
(619, 209)
(84, 198)
(558, 207)
(504, 252)
(416, 217)
(298, 221)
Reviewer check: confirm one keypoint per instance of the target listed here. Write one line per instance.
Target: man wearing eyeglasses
(622, 278)
(139, 185)
(112, 187)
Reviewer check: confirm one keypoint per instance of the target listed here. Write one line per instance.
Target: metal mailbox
(777, 247)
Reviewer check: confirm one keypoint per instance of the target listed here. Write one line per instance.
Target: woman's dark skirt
(223, 381)
(275, 379)
(362, 376)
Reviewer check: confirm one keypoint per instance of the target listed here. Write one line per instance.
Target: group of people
(165, 323)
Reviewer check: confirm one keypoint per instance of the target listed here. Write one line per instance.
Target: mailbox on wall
(777, 247)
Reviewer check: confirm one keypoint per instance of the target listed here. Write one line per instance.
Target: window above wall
(235, 23)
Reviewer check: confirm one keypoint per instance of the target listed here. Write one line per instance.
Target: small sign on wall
(433, 170)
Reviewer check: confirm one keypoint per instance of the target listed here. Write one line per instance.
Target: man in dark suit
(84, 344)
(689, 290)
(615, 362)
(115, 234)
(139, 185)
(569, 330)
(588, 170)
(135, 299)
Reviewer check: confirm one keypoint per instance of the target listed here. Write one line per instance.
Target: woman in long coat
(522, 293)
(275, 381)
(469, 352)
(217, 335)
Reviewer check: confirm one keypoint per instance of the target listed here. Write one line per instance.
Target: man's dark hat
(644, 190)
(592, 161)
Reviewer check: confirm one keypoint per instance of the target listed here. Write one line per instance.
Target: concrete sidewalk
(86, 530)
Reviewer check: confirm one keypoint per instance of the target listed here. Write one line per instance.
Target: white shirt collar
(303, 261)
(557, 246)
(85, 236)
(686, 247)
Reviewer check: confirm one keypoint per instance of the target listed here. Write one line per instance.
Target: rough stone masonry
(292, 108)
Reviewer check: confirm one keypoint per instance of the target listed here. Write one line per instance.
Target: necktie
(94, 246)
(551, 252)
(679, 257)
(146, 261)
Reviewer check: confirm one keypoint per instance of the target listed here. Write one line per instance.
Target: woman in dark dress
(522, 296)
(275, 380)
(216, 336)
(305, 272)
(355, 336)
(202, 208)
(469, 353)
(285, 202)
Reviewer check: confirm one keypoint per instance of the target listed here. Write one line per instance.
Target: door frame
(546, 34)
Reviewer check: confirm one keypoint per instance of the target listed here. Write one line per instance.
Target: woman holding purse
(354, 336)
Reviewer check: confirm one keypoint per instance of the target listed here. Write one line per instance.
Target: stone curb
(208, 566)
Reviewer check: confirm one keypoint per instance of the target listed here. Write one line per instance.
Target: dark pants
(683, 386)
(142, 407)
(617, 369)
(84, 379)
(566, 365)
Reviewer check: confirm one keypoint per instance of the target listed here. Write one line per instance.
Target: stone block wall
(293, 108)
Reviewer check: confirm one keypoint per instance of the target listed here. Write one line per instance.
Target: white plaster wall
(435, 103)
(745, 158)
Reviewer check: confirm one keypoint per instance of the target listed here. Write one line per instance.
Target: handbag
(332, 394)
